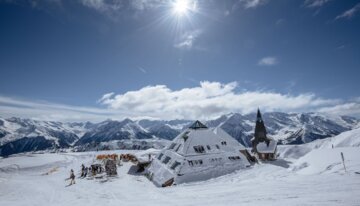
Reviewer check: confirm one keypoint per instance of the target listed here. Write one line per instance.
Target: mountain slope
(286, 128)
(114, 130)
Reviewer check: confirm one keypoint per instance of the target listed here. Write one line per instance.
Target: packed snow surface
(23, 181)
(309, 174)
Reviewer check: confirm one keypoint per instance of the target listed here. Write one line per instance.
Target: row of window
(195, 162)
(167, 160)
(218, 159)
(201, 149)
(234, 158)
(192, 162)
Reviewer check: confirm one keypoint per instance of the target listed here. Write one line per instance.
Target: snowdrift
(329, 161)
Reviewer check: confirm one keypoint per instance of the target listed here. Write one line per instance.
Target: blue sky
(97, 59)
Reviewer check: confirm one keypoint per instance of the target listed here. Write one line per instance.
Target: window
(173, 166)
(185, 136)
(234, 158)
(177, 149)
(166, 160)
(190, 162)
(199, 149)
(196, 149)
(160, 156)
(208, 147)
(198, 162)
(217, 146)
(172, 146)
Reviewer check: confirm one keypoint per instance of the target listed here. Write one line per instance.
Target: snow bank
(263, 184)
(346, 139)
(328, 161)
(32, 160)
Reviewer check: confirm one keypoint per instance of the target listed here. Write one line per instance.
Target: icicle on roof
(198, 125)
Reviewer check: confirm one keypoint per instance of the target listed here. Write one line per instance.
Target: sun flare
(181, 7)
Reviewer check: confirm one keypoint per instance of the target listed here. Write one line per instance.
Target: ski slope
(302, 181)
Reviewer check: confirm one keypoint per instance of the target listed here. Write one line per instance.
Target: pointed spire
(258, 116)
(260, 130)
(197, 125)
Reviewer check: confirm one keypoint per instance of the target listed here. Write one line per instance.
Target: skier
(82, 170)
(86, 171)
(72, 177)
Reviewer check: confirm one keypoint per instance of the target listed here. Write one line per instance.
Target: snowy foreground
(306, 175)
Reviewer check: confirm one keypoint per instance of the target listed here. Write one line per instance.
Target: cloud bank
(206, 101)
(209, 100)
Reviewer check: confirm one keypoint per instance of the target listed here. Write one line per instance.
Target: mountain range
(24, 135)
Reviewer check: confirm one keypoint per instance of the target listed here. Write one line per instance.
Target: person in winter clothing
(86, 171)
(72, 177)
(82, 170)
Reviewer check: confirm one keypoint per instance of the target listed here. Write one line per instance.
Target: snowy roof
(201, 152)
(185, 142)
(198, 125)
(143, 156)
(228, 138)
(262, 147)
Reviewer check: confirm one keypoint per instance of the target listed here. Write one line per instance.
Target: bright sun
(181, 7)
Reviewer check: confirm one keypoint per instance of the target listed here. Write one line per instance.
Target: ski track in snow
(276, 183)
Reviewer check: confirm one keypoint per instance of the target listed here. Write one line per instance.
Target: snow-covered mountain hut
(198, 153)
(262, 145)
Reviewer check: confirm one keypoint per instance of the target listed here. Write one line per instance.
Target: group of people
(84, 172)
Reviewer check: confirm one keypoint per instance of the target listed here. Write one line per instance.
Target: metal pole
(343, 160)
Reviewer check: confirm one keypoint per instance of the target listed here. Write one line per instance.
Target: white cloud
(106, 96)
(187, 40)
(349, 13)
(106, 6)
(350, 109)
(142, 70)
(146, 4)
(58, 112)
(268, 61)
(246, 4)
(208, 100)
(315, 3)
(103, 6)
(252, 3)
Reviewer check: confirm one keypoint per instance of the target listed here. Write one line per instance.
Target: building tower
(263, 146)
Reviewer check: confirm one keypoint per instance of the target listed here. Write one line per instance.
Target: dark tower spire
(198, 125)
(260, 131)
(258, 116)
